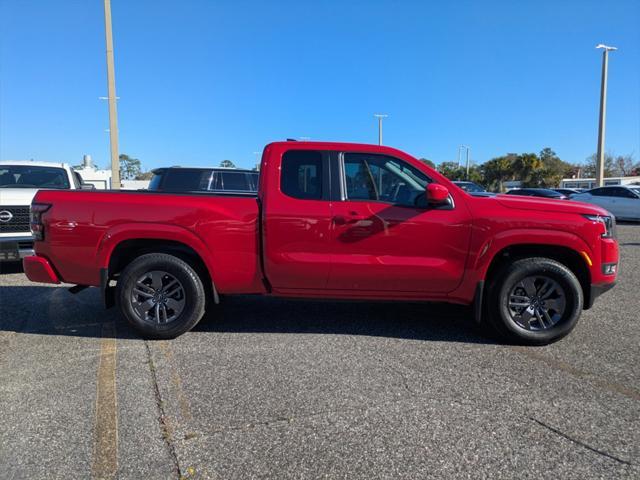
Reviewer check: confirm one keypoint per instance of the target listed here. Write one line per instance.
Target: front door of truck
(297, 221)
(382, 242)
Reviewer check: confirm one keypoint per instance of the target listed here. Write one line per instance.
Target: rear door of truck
(296, 217)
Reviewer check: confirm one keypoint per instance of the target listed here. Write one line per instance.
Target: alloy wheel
(157, 297)
(537, 303)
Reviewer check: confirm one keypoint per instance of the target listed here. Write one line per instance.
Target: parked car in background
(187, 179)
(623, 202)
(19, 182)
(567, 192)
(537, 192)
(336, 221)
(473, 188)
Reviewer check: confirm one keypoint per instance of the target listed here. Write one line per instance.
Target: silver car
(622, 202)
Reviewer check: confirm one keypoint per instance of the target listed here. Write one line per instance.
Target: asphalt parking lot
(272, 388)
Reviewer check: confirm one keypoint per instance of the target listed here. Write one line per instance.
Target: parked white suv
(19, 182)
(622, 201)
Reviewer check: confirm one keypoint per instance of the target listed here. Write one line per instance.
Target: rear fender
(140, 231)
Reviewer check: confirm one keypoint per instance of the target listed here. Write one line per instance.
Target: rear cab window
(303, 174)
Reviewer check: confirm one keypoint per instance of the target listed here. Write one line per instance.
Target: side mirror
(437, 194)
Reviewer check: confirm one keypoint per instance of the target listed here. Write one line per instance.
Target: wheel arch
(118, 250)
(567, 256)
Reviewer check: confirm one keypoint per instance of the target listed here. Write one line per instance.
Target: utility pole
(468, 155)
(380, 116)
(113, 112)
(468, 152)
(603, 113)
(460, 153)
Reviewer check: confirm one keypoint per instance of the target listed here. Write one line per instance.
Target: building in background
(101, 179)
(589, 183)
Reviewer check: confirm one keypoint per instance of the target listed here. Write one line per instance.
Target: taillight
(35, 219)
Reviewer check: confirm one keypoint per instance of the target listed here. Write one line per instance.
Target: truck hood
(549, 205)
(17, 196)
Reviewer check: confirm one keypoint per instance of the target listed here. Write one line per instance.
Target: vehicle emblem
(5, 216)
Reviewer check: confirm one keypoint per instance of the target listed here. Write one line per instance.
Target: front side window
(600, 192)
(301, 175)
(382, 178)
(23, 176)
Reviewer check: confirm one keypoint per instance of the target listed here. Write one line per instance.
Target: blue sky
(201, 81)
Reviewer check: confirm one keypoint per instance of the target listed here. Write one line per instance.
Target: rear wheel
(534, 301)
(160, 295)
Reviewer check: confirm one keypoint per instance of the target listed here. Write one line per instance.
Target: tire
(160, 295)
(521, 292)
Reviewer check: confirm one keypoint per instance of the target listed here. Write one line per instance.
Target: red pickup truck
(330, 220)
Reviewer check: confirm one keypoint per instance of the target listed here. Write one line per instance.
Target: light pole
(603, 112)
(113, 112)
(468, 149)
(380, 116)
(257, 154)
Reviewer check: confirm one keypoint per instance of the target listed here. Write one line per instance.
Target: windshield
(635, 190)
(26, 176)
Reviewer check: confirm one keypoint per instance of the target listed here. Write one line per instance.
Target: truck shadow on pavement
(416, 321)
(55, 311)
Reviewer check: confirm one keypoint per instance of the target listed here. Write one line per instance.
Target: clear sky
(201, 81)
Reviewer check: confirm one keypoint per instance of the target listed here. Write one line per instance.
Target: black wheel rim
(537, 303)
(157, 297)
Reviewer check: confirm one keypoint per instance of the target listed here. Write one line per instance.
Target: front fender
(511, 238)
(482, 254)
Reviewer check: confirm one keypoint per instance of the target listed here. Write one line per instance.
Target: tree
(497, 171)
(144, 176)
(624, 166)
(129, 167)
(590, 166)
(227, 164)
(426, 161)
(452, 170)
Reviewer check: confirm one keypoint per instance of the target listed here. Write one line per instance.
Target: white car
(622, 201)
(19, 182)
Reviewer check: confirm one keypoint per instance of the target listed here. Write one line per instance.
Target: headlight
(608, 222)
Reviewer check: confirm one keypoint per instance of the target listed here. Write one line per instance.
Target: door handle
(66, 225)
(351, 218)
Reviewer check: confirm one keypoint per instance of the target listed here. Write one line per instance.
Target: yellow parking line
(105, 447)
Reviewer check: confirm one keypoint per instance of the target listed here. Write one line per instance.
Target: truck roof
(338, 146)
(33, 163)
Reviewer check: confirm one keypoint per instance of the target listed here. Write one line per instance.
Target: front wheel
(160, 295)
(534, 301)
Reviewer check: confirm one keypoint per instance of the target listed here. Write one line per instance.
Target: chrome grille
(19, 221)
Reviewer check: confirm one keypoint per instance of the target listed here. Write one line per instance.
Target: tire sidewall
(193, 291)
(544, 267)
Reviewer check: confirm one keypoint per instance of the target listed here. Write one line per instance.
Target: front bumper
(15, 248)
(38, 269)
